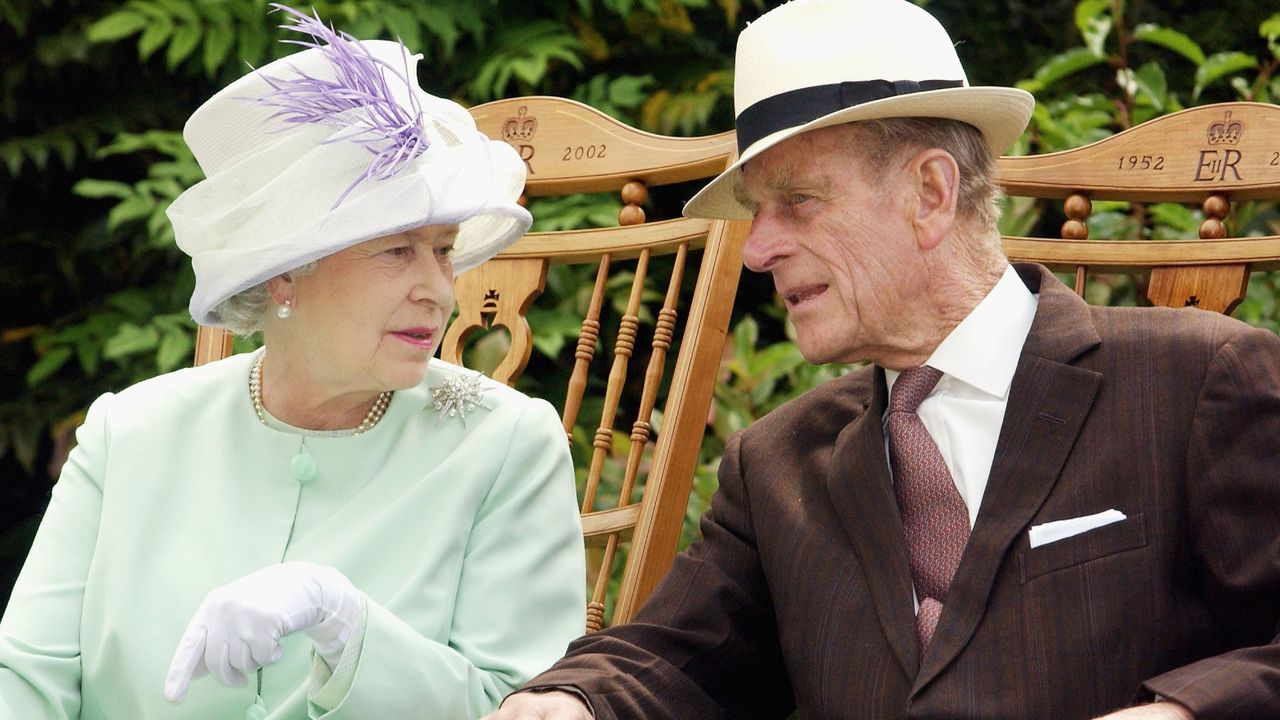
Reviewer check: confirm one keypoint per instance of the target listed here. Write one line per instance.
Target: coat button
(303, 467)
(255, 712)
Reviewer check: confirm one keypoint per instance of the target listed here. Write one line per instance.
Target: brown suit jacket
(799, 595)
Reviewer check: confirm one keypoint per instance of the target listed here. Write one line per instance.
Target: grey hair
(244, 312)
(978, 200)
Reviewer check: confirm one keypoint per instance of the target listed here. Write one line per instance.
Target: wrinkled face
(371, 316)
(838, 243)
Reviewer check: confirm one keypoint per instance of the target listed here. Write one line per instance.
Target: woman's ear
(280, 288)
(935, 178)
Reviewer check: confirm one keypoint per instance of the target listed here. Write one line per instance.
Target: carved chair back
(647, 276)
(1210, 156)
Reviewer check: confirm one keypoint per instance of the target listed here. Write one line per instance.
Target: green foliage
(68, 143)
(94, 94)
(1172, 71)
(524, 53)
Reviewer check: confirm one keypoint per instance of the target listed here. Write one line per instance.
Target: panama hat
(330, 147)
(810, 64)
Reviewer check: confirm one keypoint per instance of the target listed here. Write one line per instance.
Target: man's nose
(766, 244)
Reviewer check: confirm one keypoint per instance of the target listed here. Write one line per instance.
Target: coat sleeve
(705, 644)
(1234, 517)
(40, 631)
(520, 599)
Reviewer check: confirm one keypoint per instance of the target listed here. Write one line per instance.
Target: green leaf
(48, 364)
(37, 151)
(252, 47)
(65, 146)
(402, 24)
(628, 91)
(133, 303)
(1171, 39)
(1241, 86)
(1270, 29)
(91, 188)
(1152, 84)
(1088, 11)
(442, 24)
(525, 51)
(621, 8)
(175, 348)
(154, 10)
(1179, 218)
(11, 155)
(1062, 65)
(184, 42)
(130, 340)
(218, 42)
(119, 24)
(552, 328)
(153, 37)
(181, 9)
(1219, 65)
(129, 209)
(88, 353)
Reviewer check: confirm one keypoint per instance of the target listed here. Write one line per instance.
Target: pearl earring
(284, 311)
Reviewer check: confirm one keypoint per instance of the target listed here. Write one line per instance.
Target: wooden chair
(568, 148)
(1210, 156)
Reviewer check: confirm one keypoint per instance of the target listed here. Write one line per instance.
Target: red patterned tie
(934, 517)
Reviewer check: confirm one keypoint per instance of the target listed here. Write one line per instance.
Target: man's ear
(935, 178)
(280, 288)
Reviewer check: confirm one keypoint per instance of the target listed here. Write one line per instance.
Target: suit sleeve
(40, 631)
(519, 600)
(705, 644)
(1234, 518)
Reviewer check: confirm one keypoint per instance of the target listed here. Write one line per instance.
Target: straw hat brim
(1000, 113)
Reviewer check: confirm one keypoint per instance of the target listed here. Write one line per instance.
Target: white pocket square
(1052, 532)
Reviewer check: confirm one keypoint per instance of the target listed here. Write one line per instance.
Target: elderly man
(1026, 507)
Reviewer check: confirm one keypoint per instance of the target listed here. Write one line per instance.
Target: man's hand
(1155, 711)
(553, 705)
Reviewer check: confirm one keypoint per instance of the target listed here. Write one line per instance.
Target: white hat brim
(1000, 113)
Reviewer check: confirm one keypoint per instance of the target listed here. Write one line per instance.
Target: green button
(255, 712)
(303, 467)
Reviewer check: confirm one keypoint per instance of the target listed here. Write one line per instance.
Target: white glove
(239, 625)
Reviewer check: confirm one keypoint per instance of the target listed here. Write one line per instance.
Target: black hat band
(797, 107)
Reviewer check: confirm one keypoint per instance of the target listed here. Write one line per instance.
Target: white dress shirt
(964, 411)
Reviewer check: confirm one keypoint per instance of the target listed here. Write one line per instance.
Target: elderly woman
(335, 526)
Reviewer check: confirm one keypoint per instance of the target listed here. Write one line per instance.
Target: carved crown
(520, 128)
(1225, 132)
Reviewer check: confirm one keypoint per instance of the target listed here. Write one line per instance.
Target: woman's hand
(238, 626)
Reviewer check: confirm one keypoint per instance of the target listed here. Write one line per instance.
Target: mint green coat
(465, 540)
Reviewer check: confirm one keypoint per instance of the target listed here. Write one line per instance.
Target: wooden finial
(1077, 207)
(1216, 208)
(634, 194)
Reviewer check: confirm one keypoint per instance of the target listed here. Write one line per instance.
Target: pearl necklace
(255, 392)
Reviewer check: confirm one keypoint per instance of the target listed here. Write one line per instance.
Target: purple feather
(359, 99)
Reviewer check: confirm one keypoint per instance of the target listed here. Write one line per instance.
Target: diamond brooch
(458, 395)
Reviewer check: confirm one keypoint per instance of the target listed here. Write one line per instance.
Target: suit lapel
(862, 493)
(1048, 403)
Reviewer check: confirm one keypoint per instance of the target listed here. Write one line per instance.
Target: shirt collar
(983, 350)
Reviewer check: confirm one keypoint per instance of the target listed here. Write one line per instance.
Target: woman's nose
(435, 281)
